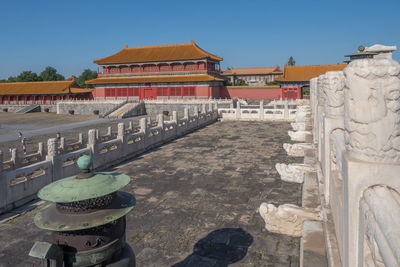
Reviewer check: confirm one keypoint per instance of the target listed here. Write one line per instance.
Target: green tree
(291, 61)
(26, 76)
(87, 74)
(306, 91)
(240, 82)
(50, 74)
(272, 83)
(228, 83)
(12, 79)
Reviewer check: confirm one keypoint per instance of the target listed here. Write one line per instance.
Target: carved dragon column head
(372, 109)
(334, 98)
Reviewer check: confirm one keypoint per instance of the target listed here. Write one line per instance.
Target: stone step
(30, 108)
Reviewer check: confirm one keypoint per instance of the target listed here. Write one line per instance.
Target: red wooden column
(25, 99)
(299, 95)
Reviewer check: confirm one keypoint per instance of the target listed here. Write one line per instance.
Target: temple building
(253, 76)
(42, 92)
(157, 72)
(296, 79)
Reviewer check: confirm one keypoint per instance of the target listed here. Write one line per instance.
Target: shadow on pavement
(219, 249)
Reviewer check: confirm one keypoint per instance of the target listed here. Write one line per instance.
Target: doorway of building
(148, 93)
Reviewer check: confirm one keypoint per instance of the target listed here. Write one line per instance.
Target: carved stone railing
(16, 162)
(262, 113)
(356, 117)
(19, 185)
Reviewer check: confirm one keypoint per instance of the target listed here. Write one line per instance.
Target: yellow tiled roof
(158, 53)
(42, 88)
(307, 72)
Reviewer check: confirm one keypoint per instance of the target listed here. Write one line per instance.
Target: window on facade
(175, 91)
(162, 91)
(125, 69)
(177, 67)
(164, 67)
(190, 66)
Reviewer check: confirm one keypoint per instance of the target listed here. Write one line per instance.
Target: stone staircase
(28, 109)
(128, 110)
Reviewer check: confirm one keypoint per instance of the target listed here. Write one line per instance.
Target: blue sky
(69, 35)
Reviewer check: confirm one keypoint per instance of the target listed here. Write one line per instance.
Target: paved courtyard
(197, 200)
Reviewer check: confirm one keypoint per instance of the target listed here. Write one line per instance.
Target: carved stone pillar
(372, 105)
(314, 103)
(331, 121)
(52, 155)
(143, 125)
(175, 116)
(372, 143)
(320, 112)
(261, 110)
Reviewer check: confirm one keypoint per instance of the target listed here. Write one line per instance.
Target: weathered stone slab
(313, 253)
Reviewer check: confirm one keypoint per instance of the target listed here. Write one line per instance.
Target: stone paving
(197, 200)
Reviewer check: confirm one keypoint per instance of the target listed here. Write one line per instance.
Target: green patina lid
(50, 218)
(85, 185)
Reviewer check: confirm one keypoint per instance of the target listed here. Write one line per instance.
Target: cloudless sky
(69, 35)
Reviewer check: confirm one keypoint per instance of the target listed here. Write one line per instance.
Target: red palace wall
(201, 91)
(291, 92)
(155, 92)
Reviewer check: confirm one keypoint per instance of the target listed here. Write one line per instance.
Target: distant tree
(87, 74)
(3, 81)
(240, 82)
(228, 83)
(50, 74)
(272, 83)
(12, 79)
(306, 91)
(291, 61)
(27, 76)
